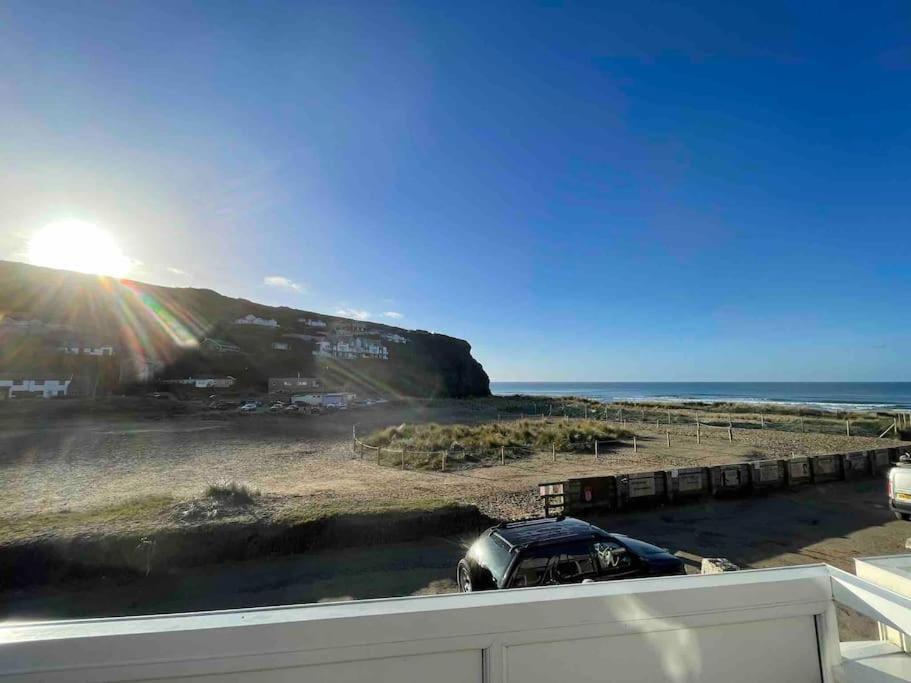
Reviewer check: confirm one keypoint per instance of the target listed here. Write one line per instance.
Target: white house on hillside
(312, 322)
(394, 338)
(204, 382)
(75, 348)
(219, 345)
(33, 385)
(356, 347)
(251, 319)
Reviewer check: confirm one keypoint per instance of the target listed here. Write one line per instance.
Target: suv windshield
(492, 554)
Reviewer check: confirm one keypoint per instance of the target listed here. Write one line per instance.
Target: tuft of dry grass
(535, 434)
(231, 493)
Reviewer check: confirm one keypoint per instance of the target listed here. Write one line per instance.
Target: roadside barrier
(687, 482)
(683, 485)
(826, 468)
(641, 489)
(730, 479)
(798, 471)
(769, 474)
(856, 465)
(880, 460)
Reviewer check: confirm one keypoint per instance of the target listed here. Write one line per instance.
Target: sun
(77, 245)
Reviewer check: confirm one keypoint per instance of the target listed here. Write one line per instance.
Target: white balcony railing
(766, 626)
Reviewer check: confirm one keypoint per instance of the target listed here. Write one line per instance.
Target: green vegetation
(136, 513)
(231, 493)
(519, 434)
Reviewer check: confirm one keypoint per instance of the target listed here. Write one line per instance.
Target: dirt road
(832, 523)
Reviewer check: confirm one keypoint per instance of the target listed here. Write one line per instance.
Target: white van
(900, 488)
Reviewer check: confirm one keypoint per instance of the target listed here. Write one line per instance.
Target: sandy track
(85, 463)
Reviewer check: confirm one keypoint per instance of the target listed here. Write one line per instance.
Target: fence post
(762, 420)
(635, 445)
(730, 434)
(848, 427)
(698, 435)
(668, 434)
(378, 452)
(596, 449)
(553, 452)
(502, 455)
(443, 469)
(403, 459)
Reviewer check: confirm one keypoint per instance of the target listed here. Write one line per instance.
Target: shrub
(231, 492)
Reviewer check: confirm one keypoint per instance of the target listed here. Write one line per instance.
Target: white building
(286, 385)
(305, 337)
(72, 348)
(349, 348)
(204, 382)
(312, 322)
(251, 319)
(13, 387)
(394, 338)
(280, 346)
(219, 345)
(763, 626)
(324, 399)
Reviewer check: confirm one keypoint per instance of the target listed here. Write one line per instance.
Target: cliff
(181, 332)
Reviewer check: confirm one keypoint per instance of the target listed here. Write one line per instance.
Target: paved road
(832, 523)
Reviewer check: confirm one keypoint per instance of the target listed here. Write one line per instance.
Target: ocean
(825, 395)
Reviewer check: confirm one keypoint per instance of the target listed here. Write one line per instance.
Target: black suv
(543, 552)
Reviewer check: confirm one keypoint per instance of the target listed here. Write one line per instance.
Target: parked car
(291, 408)
(248, 408)
(899, 488)
(559, 550)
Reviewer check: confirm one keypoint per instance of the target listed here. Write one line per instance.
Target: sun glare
(77, 245)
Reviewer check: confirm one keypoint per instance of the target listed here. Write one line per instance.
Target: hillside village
(88, 357)
(134, 338)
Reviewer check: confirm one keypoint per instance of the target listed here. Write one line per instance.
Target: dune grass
(535, 434)
(231, 492)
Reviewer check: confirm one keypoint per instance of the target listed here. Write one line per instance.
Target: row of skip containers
(649, 489)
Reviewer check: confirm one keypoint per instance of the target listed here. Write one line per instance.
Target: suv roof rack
(546, 531)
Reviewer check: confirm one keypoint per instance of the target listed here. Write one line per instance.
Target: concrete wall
(643, 489)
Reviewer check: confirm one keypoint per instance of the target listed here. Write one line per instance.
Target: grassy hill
(167, 324)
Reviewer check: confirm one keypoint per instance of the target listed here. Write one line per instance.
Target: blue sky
(584, 191)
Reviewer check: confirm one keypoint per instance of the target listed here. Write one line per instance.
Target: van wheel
(903, 515)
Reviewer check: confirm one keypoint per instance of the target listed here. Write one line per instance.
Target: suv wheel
(464, 579)
(903, 515)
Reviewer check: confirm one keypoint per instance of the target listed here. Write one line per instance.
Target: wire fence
(460, 458)
(695, 427)
(875, 424)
